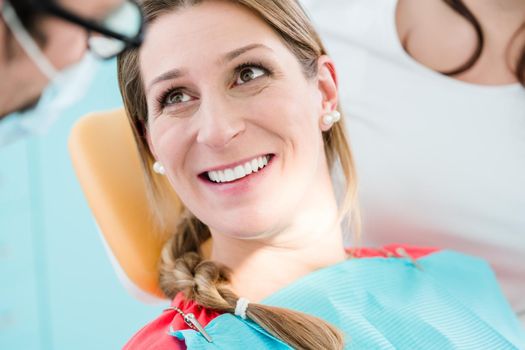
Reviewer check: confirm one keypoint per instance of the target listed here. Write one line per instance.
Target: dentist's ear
(327, 84)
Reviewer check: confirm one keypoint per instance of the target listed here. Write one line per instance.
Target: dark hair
(464, 11)
(25, 11)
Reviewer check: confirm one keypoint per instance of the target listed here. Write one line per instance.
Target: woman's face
(233, 119)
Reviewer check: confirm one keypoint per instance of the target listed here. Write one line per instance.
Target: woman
(235, 104)
(436, 109)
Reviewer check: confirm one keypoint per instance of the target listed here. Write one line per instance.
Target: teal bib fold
(453, 302)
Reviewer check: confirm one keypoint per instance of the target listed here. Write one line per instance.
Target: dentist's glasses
(120, 29)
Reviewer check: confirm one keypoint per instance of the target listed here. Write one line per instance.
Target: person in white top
(440, 156)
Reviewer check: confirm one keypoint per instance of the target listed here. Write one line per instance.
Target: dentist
(48, 52)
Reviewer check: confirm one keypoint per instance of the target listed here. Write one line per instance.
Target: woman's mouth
(241, 171)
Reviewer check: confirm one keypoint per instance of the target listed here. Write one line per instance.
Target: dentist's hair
(25, 11)
(182, 266)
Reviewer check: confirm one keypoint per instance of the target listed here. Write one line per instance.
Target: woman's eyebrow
(171, 74)
(227, 57)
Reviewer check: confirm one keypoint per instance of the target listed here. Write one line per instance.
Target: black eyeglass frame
(51, 8)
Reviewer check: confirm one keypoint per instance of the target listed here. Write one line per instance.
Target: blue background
(57, 286)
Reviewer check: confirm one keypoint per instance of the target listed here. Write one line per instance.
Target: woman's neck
(502, 14)
(499, 5)
(260, 269)
(262, 266)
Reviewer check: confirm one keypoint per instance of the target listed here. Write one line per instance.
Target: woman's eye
(247, 74)
(176, 97)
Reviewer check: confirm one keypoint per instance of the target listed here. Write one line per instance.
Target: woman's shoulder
(393, 250)
(156, 335)
(445, 260)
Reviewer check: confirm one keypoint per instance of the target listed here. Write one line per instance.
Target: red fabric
(392, 250)
(155, 336)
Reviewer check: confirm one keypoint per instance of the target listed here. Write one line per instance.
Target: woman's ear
(327, 84)
(150, 145)
(157, 166)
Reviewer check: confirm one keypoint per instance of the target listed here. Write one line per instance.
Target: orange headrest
(107, 164)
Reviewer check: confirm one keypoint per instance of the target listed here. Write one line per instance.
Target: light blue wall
(57, 287)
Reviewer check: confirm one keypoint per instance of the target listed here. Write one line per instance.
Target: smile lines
(240, 171)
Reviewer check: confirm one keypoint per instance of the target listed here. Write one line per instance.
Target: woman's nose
(220, 122)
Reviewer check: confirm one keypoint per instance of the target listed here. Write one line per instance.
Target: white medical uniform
(440, 162)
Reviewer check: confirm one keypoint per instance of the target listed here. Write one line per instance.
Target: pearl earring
(159, 168)
(330, 118)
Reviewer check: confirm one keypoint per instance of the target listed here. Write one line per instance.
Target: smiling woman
(234, 103)
(249, 147)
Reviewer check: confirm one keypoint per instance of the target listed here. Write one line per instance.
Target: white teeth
(248, 168)
(229, 175)
(255, 165)
(240, 171)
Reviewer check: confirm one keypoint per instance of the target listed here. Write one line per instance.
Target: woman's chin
(247, 231)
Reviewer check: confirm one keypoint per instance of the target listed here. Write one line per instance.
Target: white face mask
(66, 87)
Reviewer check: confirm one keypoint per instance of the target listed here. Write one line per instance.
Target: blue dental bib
(452, 302)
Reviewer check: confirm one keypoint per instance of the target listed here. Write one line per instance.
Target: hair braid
(183, 269)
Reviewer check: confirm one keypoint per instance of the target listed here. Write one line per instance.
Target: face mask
(66, 87)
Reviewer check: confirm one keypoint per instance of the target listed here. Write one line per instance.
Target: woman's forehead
(202, 33)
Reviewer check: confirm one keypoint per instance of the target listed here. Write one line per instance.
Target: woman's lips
(237, 185)
(237, 171)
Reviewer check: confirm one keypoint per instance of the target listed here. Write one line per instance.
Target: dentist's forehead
(95, 9)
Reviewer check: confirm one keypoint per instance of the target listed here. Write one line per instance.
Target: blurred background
(58, 289)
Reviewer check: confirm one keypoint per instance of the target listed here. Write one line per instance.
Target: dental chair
(107, 165)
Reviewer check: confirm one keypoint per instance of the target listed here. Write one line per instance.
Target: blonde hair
(182, 265)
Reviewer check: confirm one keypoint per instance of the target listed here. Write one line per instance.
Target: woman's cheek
(159, 135)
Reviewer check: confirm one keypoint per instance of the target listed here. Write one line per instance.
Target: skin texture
(278, 224)
(65, 43)
(439, 38)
